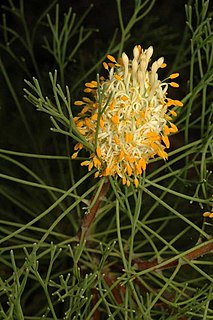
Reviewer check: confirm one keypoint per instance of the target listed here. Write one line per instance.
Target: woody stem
(90, 216)
(196, 253)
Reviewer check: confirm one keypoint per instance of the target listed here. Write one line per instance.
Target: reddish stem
(96, 314)
(196, 253)
(90, 216)
(117, 291)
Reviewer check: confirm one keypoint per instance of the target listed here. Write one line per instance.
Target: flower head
(128, 117)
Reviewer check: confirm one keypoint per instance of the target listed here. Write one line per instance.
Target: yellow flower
(127, 118)
(208, 214)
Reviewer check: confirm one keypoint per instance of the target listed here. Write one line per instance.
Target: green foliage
(149, 251)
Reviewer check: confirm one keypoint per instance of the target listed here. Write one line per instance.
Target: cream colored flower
(127, 118)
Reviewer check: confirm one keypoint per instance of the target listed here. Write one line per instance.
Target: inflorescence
(128, 117)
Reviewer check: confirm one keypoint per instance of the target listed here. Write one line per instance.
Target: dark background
(163, 28)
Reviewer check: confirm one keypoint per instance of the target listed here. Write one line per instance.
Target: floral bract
(128, 116)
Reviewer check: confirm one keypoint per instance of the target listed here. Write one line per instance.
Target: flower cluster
(128, 116)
